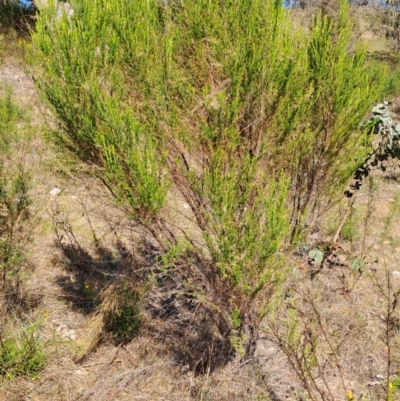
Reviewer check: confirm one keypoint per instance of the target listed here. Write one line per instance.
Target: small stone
(70, 334)
(66, 333)
(396, 274)
(81, 372)
(55, 191)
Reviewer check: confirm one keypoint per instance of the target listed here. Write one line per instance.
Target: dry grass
(346, 310)
(139, 370)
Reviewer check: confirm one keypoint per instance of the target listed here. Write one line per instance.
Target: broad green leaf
(316, 255)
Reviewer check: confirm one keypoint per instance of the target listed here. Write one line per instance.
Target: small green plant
(358, 265)
(393, 388)
(349, 230)
(124, 320)
(316, 255)
(396, 383)
(388, 148)
(238, 339)
(14, 189)
(22, 354)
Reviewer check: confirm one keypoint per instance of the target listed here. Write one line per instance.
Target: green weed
(22, 355)
(124, 321)
(9, 115)
(14, 188)
(350, 231)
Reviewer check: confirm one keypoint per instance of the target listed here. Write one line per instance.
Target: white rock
(396, 274)
(70, 335)
(55, 191)
(81, 372)
(65, 332)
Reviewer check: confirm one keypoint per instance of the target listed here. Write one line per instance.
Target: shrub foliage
(14, 191)
(255, 125)
(21, 355)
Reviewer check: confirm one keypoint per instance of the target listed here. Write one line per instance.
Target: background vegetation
(224, 146)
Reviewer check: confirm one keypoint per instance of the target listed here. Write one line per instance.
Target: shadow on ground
(90, 273)
(170, 302)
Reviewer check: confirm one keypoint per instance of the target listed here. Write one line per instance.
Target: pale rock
(81, 372)
(55, 191)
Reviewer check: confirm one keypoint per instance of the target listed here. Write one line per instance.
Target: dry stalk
(392, 298)
(368, 215)
(317, 314)
(299, 341)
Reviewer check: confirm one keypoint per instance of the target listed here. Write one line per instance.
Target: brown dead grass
(351, 305)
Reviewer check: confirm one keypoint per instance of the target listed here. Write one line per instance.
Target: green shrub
(14, 188)
(124, 322)
(21, 354)
(9, 115)
(257, 126)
